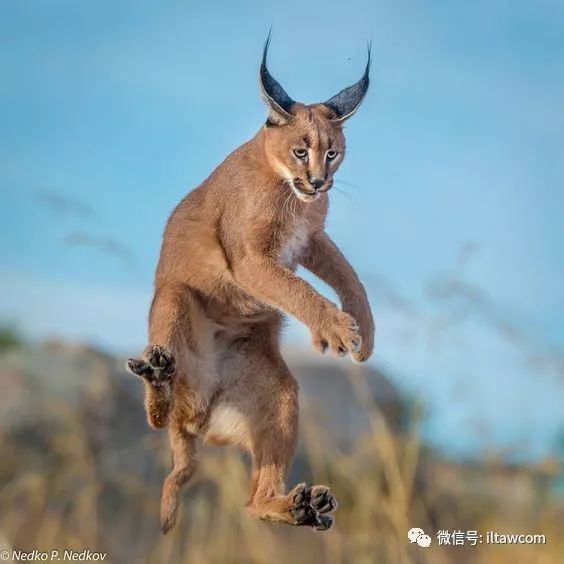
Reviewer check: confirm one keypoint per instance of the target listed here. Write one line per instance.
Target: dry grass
(57, 493)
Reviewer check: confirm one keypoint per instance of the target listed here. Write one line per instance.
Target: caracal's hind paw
(157, 366)
(310, 505)
(321, 499)
(301, 510)
(157, 369)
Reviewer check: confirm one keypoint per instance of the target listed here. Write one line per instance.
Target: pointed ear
(279, 103)
(347, 101)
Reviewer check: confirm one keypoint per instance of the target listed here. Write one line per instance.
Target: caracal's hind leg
(273, 426)
(184, 463)
(173, 323)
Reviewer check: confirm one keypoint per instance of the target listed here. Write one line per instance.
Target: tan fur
(224, 281)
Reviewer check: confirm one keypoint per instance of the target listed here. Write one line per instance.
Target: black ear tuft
(275, 96)
(348, 100)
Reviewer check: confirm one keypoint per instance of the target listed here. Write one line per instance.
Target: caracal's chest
(294, 243)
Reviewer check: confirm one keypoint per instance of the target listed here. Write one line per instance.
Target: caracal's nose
(316, 183)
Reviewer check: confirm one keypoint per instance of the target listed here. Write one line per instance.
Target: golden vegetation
(60, 491)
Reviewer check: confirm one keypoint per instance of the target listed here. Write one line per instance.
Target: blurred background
(449, 204)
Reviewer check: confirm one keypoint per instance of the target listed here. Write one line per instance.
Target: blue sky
(111, 111)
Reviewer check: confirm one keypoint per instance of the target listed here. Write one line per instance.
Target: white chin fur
(304, 197)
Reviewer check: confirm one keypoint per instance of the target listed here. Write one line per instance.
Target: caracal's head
(305, 144)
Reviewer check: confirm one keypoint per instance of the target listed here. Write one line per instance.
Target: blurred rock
(42, 380)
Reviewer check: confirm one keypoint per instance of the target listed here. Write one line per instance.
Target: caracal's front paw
(340, 333)
(367, 346)
(365, 351)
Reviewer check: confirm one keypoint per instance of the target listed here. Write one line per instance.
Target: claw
(357, 344)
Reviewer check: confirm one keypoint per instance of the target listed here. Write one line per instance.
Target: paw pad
(310, 506)
(157, 366)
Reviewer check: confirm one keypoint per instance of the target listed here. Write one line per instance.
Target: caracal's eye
(300, 153)
(331, 155)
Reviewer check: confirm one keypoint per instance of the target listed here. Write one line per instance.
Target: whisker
(346, 183)
(350, 197)
(286, 194)
(297, 203)
(288, 199)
